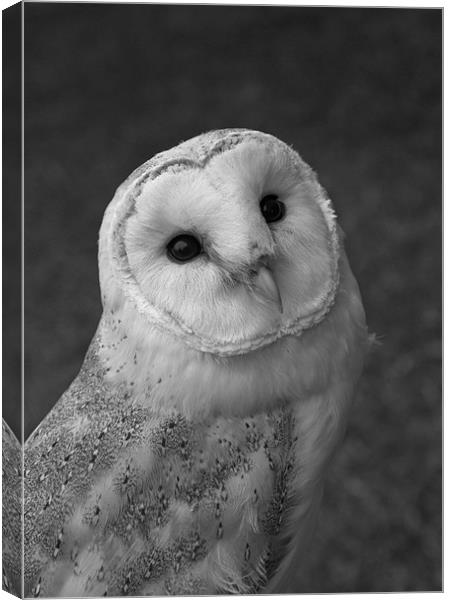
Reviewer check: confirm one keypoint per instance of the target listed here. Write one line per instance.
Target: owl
(188, 455)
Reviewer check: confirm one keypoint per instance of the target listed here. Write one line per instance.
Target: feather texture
(12, 574)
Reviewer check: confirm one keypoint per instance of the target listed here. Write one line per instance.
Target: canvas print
(231, 300)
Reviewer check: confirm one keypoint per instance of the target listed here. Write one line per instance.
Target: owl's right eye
(183, 248)
(272, 208)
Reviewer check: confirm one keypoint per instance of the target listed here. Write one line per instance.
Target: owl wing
(11, 511)
(119, 500)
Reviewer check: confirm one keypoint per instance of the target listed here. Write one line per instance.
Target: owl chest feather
(122, 500)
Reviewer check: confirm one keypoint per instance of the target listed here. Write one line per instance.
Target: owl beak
(265, 285)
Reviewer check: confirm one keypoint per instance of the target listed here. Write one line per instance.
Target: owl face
(227, 241)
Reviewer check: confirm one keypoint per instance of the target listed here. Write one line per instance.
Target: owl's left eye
(272, 208)
(183, 248)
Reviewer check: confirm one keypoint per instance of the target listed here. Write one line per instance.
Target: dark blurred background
(358, 93)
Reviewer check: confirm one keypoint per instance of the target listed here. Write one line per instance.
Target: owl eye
(183, 248)
(272, 209)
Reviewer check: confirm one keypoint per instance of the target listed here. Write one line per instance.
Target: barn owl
(188, 455)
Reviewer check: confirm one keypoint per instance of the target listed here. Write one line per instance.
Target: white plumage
(188, 455)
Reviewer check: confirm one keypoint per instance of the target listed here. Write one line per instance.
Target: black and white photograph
(222, 299)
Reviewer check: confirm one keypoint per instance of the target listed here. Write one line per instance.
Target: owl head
(226, 241)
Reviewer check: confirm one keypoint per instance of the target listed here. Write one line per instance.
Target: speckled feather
(11, 513)
(120, 500)
(179, 463)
